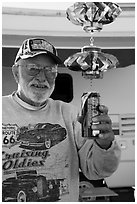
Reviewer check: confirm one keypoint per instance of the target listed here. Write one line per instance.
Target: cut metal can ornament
(92, 16)
(91, 61)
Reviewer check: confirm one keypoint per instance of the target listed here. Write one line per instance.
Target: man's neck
(29, 101)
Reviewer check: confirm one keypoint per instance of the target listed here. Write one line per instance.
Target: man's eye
(33, 69)
(31, 66)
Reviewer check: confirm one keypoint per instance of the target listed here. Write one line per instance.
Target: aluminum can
(89, 108)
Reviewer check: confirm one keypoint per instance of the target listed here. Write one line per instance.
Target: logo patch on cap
(35, 46)
(40, 45)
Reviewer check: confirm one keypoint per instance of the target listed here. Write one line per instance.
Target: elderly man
(43, 149)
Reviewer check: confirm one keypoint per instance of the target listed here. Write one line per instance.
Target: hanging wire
(91, 40)
(91, 83)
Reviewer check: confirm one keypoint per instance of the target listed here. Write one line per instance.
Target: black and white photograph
(68, 101)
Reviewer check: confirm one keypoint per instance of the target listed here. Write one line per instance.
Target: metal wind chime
(91, 61)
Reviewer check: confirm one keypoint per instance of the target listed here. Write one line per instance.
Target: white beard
(36, 98)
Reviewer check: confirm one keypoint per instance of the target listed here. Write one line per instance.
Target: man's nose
(41, 75)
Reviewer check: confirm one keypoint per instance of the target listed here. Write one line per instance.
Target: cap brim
(55, 58)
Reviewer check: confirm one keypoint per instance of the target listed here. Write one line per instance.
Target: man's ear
(15, 71)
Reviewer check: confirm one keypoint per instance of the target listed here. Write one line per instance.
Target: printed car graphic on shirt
(27, 186)
(42, 136)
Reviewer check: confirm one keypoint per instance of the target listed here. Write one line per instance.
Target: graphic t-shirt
(42, 150)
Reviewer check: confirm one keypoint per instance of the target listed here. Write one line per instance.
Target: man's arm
(98, 158)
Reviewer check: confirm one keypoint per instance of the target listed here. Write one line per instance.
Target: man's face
(36, 85)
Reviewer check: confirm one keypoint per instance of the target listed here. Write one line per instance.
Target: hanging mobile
(91, 61)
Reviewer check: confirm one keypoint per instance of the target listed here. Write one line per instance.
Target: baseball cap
(35, 46)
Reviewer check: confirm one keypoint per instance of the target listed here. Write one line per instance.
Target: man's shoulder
(6, 99)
